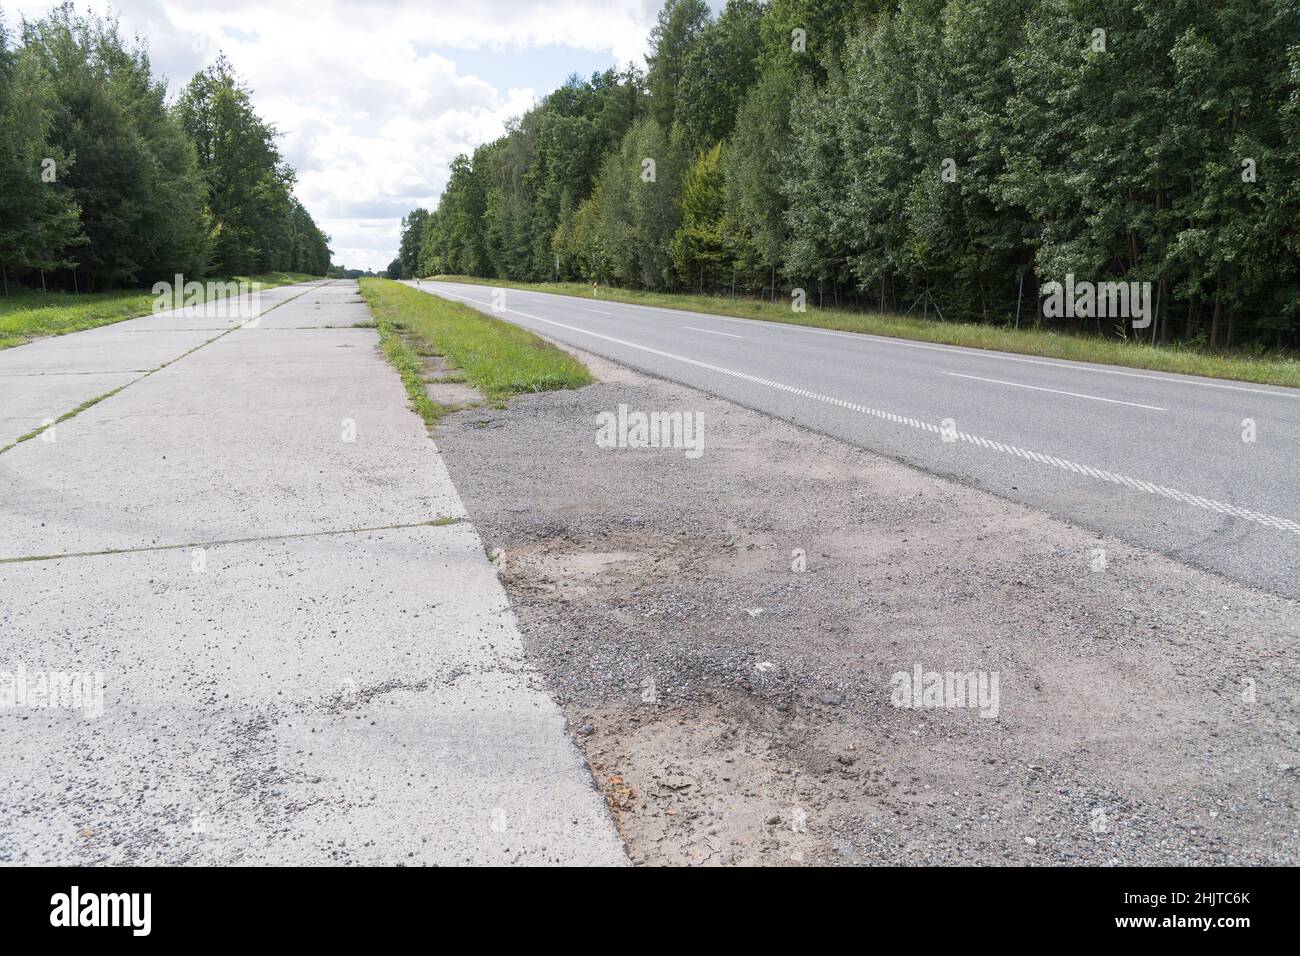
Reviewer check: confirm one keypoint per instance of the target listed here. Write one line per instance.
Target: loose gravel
(723, 634)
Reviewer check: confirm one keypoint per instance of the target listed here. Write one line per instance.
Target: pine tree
(39, 218)
(679, 26)
(133, 177)
(699, 248)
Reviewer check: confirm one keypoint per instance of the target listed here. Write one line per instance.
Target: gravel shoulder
(724, 634)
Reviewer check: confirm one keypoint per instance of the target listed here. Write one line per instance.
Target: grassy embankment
(1265, 370)
(28, 315)
(497, 358)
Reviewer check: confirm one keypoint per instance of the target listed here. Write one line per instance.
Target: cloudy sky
(374, 98)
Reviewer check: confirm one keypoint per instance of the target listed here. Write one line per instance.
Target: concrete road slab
(112, 348)
(263, 369)
(219, 314)
(329, 677)
(27, 401)
(262, 432)
(352, 698)
(139, 472)
(76, 368)
(304, 350)
(328, 306)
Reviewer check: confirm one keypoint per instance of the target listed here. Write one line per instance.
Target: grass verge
(31, 314)
(497, 358)
(1026, 341)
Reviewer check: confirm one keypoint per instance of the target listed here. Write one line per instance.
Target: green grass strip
(497, 358)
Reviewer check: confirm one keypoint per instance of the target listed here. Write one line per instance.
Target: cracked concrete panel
(261, 433)
(27, 401)
(53, 376)
(345, 699)
(111, 348)
(330, 306)
(219, 315)
(113, 484)
(266, 372)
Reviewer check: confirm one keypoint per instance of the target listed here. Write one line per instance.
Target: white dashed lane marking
(711, 332)
(1057, 391)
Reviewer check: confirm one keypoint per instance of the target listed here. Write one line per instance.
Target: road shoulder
(725, 632)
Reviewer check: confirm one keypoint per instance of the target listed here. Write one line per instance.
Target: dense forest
(875, 153)
(104, 182)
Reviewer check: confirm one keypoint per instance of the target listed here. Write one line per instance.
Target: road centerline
(711, 332)
(1057, 391)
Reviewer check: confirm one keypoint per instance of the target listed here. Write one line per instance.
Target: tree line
(955, 153)
(104, 182)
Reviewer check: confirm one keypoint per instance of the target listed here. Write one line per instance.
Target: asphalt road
(1156, 459)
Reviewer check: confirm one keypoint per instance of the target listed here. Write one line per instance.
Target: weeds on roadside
(497, 358)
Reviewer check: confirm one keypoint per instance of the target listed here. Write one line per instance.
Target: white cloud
(370, 115)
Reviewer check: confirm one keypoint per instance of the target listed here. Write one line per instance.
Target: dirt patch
(452, 394)
(728, 636)
(442, 383)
